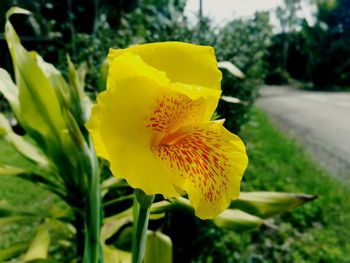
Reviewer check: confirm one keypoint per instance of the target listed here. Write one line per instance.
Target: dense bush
(331, 44)
(316, 53)
(298, 58)
(244, 42)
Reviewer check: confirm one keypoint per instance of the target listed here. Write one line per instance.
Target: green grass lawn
(18, 192)
(316, 232)
(22, 194)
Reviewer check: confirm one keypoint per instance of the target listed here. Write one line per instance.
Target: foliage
(303, 236)
(244, 43)
(315, 53)
(297, 63)
(67, 164)
(53, 111)
(307, 234)
(144, 21)
(310, 233)
(329, 42)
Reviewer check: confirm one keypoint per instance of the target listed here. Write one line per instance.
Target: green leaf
(157, 216)
(12, 252)
(123, 240)
(10, 219)
(16, 10)
(9, 90)
(55, 77)
(102, 77)
(267, 204)
(238, 221)
(159, 248)
(39, 247)
(10, 213)
(40, 111)
(183, 205)
(76, 79)
(24, 147)
(159, 208)
(114, 255)
(112, 182)
(7, 210)
(111, 226)
(80, 102)
(50, 185)
(43, 261)
(11, 171)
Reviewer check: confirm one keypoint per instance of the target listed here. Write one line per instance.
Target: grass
(317, 232)
(23, 194)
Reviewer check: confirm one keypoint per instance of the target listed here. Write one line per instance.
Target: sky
(222, 11)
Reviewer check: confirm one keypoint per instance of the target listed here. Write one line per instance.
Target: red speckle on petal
(200, 161)
(196, 155)
(173, 111)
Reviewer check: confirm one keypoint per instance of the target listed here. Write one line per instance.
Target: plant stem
(80, 235)
(142, 204)
(93, 215)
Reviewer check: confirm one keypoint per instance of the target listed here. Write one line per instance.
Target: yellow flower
(153, 125)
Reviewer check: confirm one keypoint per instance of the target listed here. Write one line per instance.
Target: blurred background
(292, 108)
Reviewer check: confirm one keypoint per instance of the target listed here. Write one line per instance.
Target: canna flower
(153, 125)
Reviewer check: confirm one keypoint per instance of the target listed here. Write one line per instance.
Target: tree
(289, 22)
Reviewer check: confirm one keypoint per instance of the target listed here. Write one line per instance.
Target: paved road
(319, 120)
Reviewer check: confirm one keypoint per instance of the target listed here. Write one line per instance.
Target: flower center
(173, 138)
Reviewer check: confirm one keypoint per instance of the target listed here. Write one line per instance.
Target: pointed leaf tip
(16, 10)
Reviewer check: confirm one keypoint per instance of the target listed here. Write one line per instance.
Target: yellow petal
(127, 66)
(135, 113)
(194, 93)
(122, 129)
(182, 105)
(152, 124)
(182, 62)
(208, 163)
(93, 127)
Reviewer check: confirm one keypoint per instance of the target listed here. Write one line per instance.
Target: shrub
(243, 42)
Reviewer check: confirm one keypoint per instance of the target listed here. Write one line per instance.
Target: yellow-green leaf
(10, 170)
(81, 103)
(159, 248)
(24, 147)
(267, 204)
(7, 210)
(114, 255)
(112, 225)
(57, 81)
(12, 252)
(40, 112)
(102, 77)
(39, 247)
(238, 221)
(10, 219)
(9, 90)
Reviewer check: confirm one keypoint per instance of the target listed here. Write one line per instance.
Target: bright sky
(222, 11)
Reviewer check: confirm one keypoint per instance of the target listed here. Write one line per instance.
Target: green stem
(142, 206)
(117, 200)
(93, 214)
